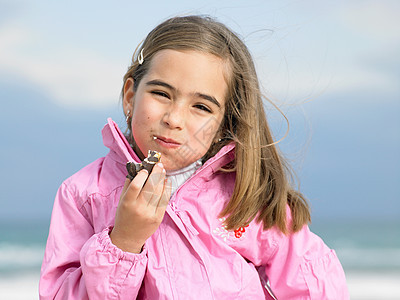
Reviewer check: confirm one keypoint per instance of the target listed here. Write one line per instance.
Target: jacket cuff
(107, 246)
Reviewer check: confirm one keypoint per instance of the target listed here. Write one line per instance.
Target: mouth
(166, 142)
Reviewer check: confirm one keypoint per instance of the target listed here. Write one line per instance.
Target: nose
(175, 116)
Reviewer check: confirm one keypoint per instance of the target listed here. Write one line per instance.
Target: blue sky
(332, 67)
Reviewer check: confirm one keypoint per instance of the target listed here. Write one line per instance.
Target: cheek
(203, 133)
(140, 121)
(144, 114)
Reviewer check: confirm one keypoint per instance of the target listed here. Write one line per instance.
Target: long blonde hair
(262, 188)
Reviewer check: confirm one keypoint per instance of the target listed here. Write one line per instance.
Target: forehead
(190, 71)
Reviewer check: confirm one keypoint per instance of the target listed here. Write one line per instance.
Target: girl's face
(178, 106)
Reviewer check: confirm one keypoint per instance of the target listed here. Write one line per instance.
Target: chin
(172, 165)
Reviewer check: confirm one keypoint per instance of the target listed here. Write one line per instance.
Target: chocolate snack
(148, 163)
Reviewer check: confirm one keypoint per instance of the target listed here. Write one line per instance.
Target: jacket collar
(115, 140)
(122, 152)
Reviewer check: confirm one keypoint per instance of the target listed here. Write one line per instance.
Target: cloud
(379, 20)
(312, 52)
(352, 47)
(70, 75)
(371, 46)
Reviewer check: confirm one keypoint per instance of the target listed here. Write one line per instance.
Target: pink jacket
(190, 256)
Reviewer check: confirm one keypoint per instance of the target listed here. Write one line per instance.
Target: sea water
(22, 246)
(363, 245)
(368, 250)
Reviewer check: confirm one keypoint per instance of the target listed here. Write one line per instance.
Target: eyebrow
(168, 86)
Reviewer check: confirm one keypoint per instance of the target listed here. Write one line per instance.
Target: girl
(216, 218)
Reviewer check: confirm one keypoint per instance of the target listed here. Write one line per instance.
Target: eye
(160, 93)
(203, 107)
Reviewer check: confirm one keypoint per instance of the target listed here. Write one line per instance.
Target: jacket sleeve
(82, 264)
(303, 267)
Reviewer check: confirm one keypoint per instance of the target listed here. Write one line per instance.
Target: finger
(164, 199)
(157, 175)
(136, 185)
(155, 185)
(166, 195)
(126, 184)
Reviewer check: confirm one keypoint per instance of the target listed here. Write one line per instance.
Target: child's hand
(141, 209)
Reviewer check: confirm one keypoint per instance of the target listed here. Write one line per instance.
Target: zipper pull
(183, 216)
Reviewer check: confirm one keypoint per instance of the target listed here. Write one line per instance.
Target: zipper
(199, 171)
(183, 216)
(267, 286)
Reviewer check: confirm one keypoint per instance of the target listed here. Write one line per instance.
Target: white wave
(20, 256)
(369, 257)
(31, 256)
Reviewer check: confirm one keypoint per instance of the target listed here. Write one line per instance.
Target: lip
(167, 142)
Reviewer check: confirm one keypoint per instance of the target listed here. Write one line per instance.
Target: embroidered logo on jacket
(227, 235)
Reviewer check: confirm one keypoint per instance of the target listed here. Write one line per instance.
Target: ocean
(369, 252)
(21, 252)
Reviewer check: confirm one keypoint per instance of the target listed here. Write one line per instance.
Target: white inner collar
(178, 177)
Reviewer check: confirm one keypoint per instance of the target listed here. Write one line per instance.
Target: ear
(217, 139)
(219, 134)
(129, 93)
